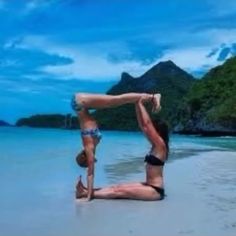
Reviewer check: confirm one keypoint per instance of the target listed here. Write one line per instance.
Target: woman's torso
(86, 120)
(88, 123)
(154, 171)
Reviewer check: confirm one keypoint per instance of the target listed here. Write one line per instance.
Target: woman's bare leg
(136, 191)
(106, 101)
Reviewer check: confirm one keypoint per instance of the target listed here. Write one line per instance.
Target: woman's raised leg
(105, 101)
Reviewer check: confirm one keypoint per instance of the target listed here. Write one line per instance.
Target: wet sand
(201, 200)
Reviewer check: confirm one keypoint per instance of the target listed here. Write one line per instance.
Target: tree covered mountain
(209, 107)
(165, 78)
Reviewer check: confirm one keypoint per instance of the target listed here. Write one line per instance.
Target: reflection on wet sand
(128, 165)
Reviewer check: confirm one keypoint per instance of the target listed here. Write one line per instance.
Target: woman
(153, 188)
(81, 103)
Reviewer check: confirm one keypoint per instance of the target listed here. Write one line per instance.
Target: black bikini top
(153, 160)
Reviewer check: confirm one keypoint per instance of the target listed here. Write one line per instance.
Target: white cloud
(94, 67)
(198, 38)
(91, 60)
(193, 58)
(101, 70)
(219, 36)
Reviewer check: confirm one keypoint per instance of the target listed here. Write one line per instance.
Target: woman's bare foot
(146, 97)
(156, 103)
(80, 189)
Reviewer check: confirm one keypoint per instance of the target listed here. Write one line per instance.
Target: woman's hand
(142, 100)
(83, 200)
(145, 98)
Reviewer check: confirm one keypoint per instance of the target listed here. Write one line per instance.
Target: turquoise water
(38, 174)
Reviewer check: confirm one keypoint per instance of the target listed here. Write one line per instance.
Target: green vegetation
(49, 121)
(165, 78)
(210, 104)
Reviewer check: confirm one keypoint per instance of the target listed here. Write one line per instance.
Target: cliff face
(165, 78)
(209, 107)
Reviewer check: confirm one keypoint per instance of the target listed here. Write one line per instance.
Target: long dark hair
(163, 130)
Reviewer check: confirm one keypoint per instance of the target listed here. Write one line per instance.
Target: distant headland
(4, 123)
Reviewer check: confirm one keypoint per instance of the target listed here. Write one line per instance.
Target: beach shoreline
(189, 208)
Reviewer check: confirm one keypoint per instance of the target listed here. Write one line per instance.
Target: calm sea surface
(38, 174)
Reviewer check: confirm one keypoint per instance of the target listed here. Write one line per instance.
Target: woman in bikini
(153, 188)
(90, 134)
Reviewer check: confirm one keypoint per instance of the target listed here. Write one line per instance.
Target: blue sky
(51, 49)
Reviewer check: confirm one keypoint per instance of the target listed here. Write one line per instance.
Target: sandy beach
(200, 200)
(38, 175)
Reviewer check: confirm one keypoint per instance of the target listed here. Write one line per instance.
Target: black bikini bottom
(159, 190)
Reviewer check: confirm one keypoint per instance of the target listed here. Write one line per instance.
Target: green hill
(209, 107)
(165, 78)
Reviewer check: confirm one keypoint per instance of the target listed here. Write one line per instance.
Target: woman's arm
(142, 115)
(145, 123)
(89, 150)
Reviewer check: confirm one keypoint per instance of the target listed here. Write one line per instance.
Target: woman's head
(81, 159)
(163, 130)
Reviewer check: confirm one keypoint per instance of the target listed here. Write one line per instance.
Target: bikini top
(153, 160)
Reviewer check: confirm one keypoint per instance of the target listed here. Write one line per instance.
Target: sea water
(38, 174)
